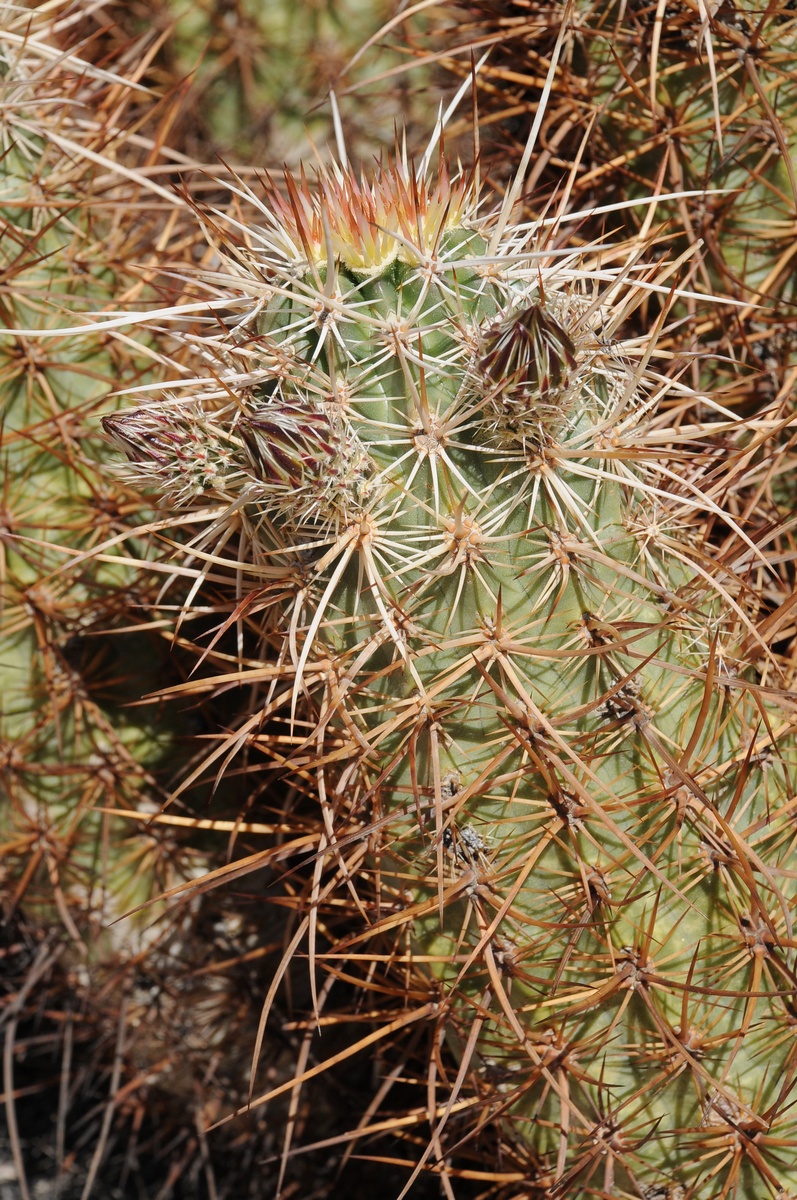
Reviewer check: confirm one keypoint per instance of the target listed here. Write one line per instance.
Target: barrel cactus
(522, 651)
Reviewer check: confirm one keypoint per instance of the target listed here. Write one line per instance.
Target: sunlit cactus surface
(521, 650)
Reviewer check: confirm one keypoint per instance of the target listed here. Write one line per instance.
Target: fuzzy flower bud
(314, 467)
(179, 452)
(527, 357)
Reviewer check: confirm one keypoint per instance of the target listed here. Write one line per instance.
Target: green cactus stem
(510, 587)
(71, 751)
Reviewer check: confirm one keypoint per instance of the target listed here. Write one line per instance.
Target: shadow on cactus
(553, 751)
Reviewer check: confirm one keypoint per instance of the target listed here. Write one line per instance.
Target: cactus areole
(486, 548)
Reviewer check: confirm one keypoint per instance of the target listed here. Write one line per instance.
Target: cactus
(522, 650)
(256, 78)
(71, 747)
(82, 764)
(149, 1019)
(650, 98)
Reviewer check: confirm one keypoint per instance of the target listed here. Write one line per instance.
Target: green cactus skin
(495, 566)
(70, 749)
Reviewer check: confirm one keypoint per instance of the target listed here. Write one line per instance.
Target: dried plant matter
(521, 652)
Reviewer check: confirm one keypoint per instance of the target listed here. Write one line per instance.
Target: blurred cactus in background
(75, 648)
(257, 76)
(71, 747)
